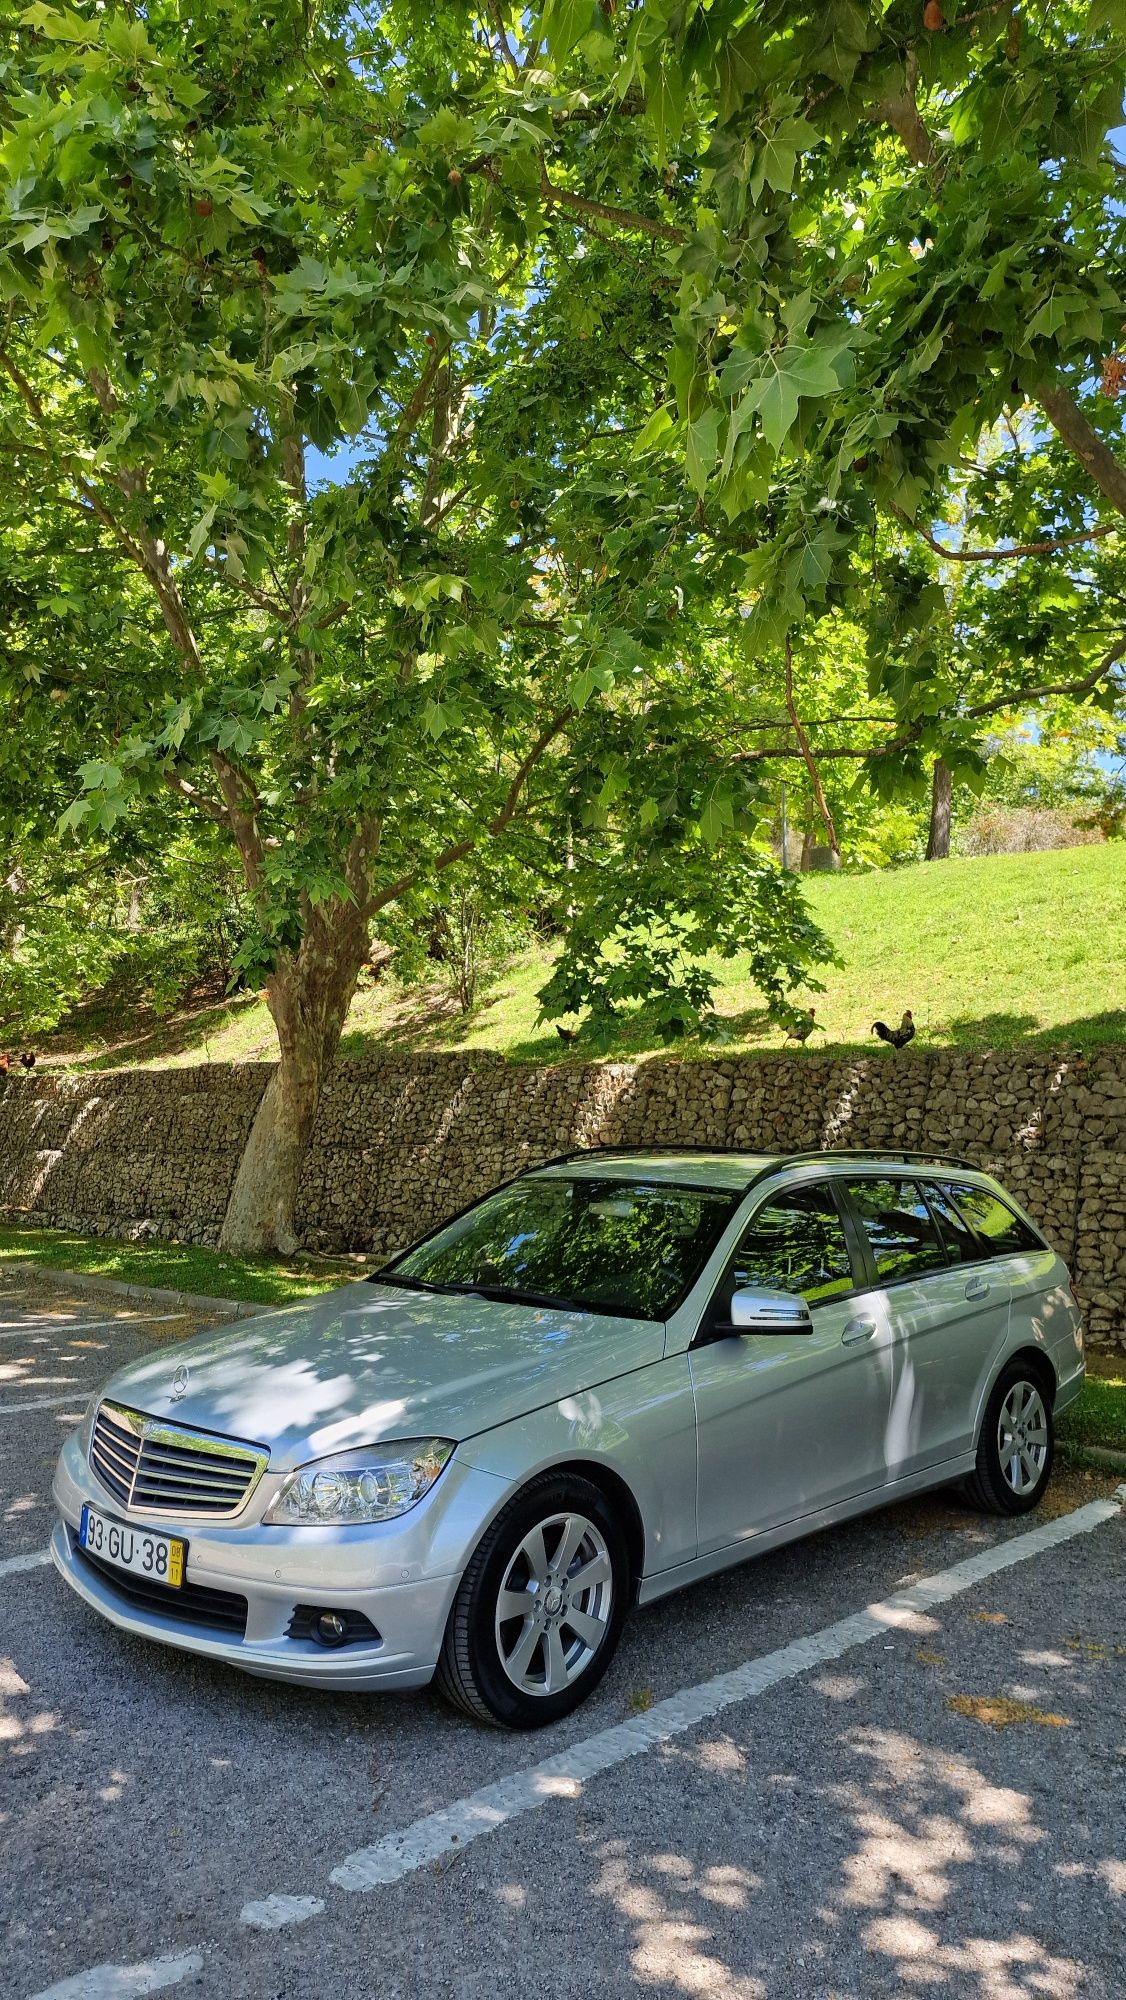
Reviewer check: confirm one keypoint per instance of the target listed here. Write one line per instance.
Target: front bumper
(276, 1569)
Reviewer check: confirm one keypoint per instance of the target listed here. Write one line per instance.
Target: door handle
(977, 1288)
(857, 1330)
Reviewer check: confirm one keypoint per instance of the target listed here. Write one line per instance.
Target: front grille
(194, 1603)
(155, 1467)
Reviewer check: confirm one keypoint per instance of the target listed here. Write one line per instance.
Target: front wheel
(1017, 1444)
(539, 1611)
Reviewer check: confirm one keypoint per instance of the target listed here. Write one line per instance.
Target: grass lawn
(989, 953)
(1098, 1417)
(180, 1267)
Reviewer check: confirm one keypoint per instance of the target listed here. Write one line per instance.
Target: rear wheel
(539, 1611)
(1017, 1443)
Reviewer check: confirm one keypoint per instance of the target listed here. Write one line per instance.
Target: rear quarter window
(1000, 1232)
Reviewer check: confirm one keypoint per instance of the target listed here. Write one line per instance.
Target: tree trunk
(942, 799)
(809, 842)
(309, 995)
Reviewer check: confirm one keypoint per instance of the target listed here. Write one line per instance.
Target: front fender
(641, 1426)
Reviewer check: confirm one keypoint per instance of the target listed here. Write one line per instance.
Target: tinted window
(796, 1243)
(609, 1245)
(898, 1225)
(962, 1246)
(1000, 1230)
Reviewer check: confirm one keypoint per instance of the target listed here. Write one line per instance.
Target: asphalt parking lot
(844, 1819)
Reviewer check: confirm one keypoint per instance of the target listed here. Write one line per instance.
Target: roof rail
(774, 1161)
(928, 1158)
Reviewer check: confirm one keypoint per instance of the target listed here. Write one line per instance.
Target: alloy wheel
(1022, 1438)
(554, 1604)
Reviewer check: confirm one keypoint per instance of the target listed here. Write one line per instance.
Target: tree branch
(1080, 437)
(198, 799)
(1049, 689)
(807, 754)
(601, 211)
(458, 850)
(901, 112)
(1004, 555)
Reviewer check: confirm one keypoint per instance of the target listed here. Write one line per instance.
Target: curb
(1115, 1461)
(84, 1281)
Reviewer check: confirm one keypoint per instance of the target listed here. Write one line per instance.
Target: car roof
(700, 1166)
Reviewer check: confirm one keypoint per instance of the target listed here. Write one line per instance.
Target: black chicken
(898, 1037)
(28, 1059)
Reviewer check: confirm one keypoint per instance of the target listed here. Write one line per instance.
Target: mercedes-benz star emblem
(179, 1384)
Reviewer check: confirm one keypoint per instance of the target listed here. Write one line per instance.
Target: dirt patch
(1000, 1711)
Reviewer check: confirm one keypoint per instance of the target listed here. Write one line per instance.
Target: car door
(948, 1316)
(788, 1424)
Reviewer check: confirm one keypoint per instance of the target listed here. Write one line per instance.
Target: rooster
(28, 1059)
(898, 1037)
(567, 1035)
(802, 1028)
(5, 1064)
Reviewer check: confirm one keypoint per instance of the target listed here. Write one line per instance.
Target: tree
(323, 420)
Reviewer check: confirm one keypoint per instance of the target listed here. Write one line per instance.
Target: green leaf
(703, 448)
(664, 101)
(565, 22)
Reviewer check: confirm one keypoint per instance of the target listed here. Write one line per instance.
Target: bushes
(1010, 829)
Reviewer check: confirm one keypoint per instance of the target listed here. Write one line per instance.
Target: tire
(559, 1532)
(1007, 1480)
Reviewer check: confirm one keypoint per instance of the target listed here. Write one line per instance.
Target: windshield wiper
(409, 1284)
(501, 1294)
(508, 1295)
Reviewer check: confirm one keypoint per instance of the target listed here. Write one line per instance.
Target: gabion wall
(402, 1142)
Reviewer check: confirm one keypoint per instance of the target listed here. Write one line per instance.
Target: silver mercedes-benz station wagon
(619, 1373)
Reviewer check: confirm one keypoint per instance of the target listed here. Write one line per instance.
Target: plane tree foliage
(394, 401)
(321, 518)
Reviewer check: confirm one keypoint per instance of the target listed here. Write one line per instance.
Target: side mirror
(756, 1310)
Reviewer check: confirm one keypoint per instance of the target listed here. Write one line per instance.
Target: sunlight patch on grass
(178, 1267)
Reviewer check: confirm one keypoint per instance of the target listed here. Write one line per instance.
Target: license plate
(160, 1558)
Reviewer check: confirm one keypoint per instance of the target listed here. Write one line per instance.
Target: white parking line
(78, 1396)
(563, 1776)
(277, 1911)
(12, 1565)
(124, 1982)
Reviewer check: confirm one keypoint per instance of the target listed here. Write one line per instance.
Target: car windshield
(612, 1245)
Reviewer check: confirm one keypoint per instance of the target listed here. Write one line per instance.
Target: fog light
(332, 1629)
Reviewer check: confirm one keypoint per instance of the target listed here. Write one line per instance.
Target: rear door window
(795, 1243)
(1001, 1233)
(962, 1245)
(901, 1231)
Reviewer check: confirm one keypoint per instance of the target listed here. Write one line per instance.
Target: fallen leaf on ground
(998, 1711)
(1095, 1649)
(989, 1617)
(640, 1700)
(928, 1659)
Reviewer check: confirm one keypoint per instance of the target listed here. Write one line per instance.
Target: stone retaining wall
(402, 1142)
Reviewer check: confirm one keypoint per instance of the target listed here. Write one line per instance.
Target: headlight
(374, 1484)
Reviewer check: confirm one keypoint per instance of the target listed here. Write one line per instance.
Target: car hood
(375, 1361)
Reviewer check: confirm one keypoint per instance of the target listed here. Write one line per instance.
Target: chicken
(566, 1034)
(28, 1059)
(5, 1064)
(898, 1037)
(802, 1028)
